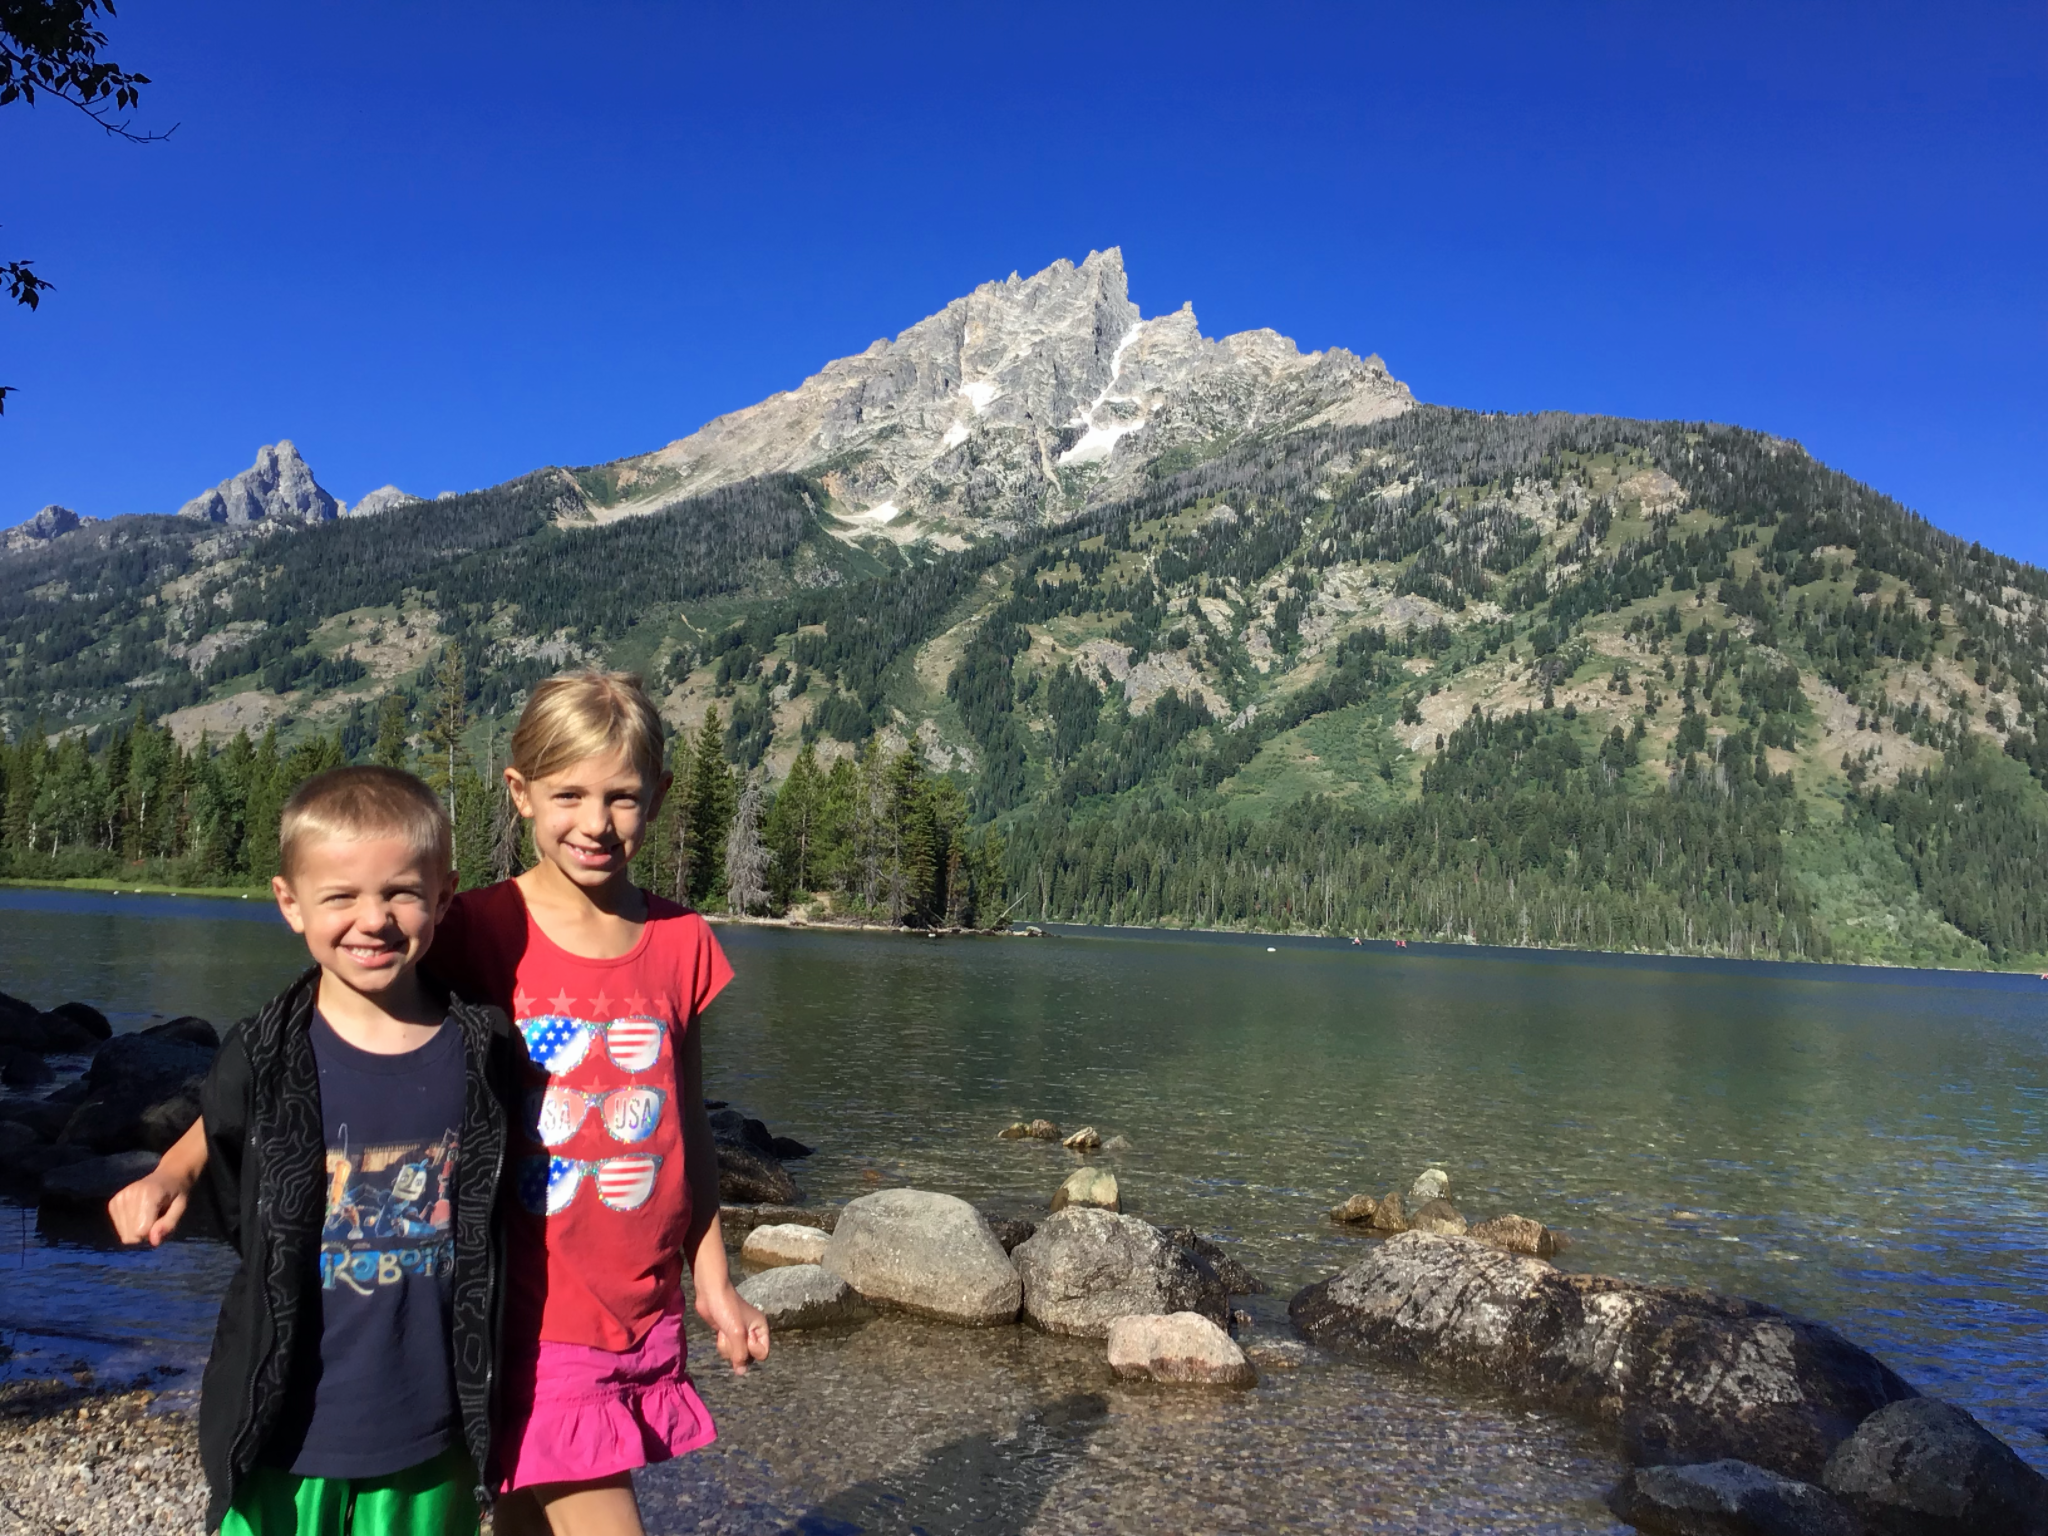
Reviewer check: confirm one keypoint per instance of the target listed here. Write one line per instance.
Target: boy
(351, 1134)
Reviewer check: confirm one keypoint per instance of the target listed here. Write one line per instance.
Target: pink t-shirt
(601, 1201)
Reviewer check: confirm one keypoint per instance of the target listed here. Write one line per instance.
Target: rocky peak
(1028, 396)
(383, 499)
(277, 488)
(43, 527)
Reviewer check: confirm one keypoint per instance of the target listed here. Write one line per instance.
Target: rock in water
(1016, 1130)
(1440, 1217)
(24, 1069)
(804, 1296)
(1430, 1184)
(748, 1177)
(1237, 1280)
(1517, 1234)
(1685, 1375)
(1043, 1130)
(1008, 1230)
(1184, 1348)
(1387, 1214)
(1086, 1139)
(142, 1093)
(1728, 1498)
(783, 1243)
(736, 1221)
(86, 1187)
(926, 1253)
(1085, 1268)
(1089, 1186)
(1357, 1211)
(1117, 1144)
(1927, 1468)
(188, 1028)
(88, 1019)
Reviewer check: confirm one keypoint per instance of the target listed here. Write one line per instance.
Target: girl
(612, 1170)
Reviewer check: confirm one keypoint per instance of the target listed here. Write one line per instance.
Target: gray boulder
(1430, 1184)
(1438, 1216)
(804, 1296)
(926, 1253)
(1727, 1498)
(46, 1117)
(187, 1027)
(24, 1069)
(21, 1025)
(1180, 1348)
(86, 1187)
(23, 1172)
(1683, 1374)
(1084, 1268)
(1927, 1468)
(86, 1018)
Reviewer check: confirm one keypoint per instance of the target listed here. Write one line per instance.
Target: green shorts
(435, 1498)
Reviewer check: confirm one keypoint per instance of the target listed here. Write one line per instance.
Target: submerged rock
(1085, 1268)
(1517, 1234)
(1086, 1139)
(1357, 1211)
(1016, 1130)
(1440, 1217)
(781, 1243)
(1089, 1186)
(804, 1296)
(1042, 1130)
(1927, 1468)
(927, 1253)
(1182, 1348)
(1685, 1375)
(1117, 1144)
(1728, 1498)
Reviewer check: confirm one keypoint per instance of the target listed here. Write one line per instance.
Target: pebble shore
(85, 1461)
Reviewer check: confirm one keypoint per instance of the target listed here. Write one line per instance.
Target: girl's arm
(150, 1209)
(741, 1329)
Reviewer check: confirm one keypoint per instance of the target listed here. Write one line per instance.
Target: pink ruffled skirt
(577, 1413)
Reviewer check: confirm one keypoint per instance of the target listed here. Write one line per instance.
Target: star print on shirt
(637, 1006)
(563, 1002)
(522, 1003)
(599, 1006)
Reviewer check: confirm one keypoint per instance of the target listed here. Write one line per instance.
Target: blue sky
(443, 244)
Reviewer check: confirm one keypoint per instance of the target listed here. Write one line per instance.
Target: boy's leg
(274, 1503)
(435, 1498)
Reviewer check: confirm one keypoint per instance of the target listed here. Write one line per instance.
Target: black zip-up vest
(266, 1176)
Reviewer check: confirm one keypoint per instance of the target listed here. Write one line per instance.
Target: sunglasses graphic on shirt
(548, 1185)
(556, 1113)
(557, 1042)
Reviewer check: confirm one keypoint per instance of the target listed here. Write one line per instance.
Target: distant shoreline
(2032, 966)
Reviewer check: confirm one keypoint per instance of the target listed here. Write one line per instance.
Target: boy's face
(366, 907)
(589, 819)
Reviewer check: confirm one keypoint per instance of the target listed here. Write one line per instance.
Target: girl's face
(589, 818)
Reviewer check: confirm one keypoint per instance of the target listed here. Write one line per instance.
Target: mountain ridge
(1672, 685)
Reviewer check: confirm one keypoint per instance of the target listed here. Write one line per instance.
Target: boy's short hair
(588, 714)
(352, 804)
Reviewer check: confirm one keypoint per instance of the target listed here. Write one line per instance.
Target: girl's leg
(605, 1507)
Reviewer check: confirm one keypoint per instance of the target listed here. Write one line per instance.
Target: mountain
(1208, 631)
(1028, 398)
(277, 488)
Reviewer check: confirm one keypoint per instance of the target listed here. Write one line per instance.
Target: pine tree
(445, 727)
(389, 750)
(710, 802)
(747, 859)
(791, 828)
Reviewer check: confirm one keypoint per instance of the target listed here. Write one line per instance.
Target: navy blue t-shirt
(381, 1395)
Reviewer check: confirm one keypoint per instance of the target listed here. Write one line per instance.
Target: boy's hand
(741, 1328)
(148, 1210)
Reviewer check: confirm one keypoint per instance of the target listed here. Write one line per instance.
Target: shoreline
(1422, 944)
(107, 1459)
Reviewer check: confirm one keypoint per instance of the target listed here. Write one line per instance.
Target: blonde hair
(588, 714)
(352, 804)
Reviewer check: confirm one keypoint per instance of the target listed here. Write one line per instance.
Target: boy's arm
(742, 1330)
(150, 1209)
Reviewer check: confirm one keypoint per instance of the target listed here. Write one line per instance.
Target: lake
(1860, 1146)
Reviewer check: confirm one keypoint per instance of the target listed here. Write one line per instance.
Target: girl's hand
(741, 1328)
(147, 1210)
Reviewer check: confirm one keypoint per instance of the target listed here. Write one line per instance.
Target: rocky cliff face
(43, 527)
(383, 499)
(277, 488)
(1029, 397)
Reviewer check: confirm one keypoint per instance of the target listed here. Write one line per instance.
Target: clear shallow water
(1862, 1147)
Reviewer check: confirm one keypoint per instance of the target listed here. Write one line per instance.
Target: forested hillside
(1547, 679)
